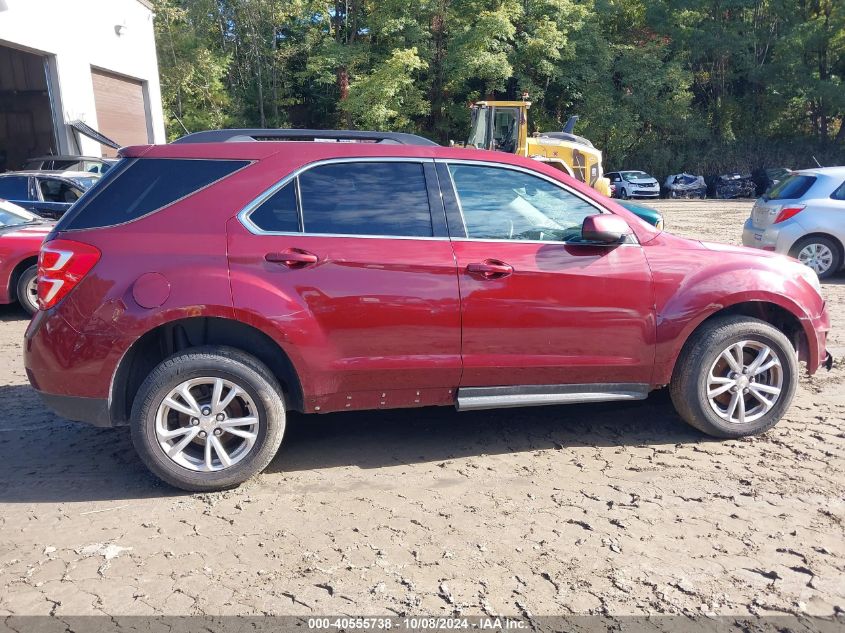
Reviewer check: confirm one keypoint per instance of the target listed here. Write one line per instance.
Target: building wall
(79, 34)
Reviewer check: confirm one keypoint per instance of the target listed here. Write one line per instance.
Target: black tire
(216, 362)
(689, 386)
(804, 242)
(624, 194)
(27, 301)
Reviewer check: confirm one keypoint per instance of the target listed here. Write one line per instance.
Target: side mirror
(604, 228)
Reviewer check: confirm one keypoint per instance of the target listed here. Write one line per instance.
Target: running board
(474, 398)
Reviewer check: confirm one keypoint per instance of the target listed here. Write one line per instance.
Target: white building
(68, 64)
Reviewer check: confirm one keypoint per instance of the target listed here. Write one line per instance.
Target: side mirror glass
(604, 228)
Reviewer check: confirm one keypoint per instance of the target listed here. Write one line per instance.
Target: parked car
(648, 214)
(21, 234)
(88, 164)
(767, 179)
(684, 186)
(734, 185)
(49, 194)
(204, 289)
(803, 216)
(634, 184)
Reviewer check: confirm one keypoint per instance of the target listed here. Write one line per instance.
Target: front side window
(478, 132)
(367, 198)
(506, 129)
(14, 188)
(53, 190)
(505, 204)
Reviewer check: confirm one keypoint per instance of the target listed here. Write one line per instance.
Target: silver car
(803, 216)
(633, 184)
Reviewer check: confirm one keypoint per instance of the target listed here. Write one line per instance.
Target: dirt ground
(588, 509)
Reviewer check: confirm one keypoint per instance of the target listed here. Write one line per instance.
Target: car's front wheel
(736, 376)
(27, 289)
(624, 194)
(820, 253)
(208, 418)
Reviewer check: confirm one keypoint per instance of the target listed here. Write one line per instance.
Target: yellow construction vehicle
(503, 126)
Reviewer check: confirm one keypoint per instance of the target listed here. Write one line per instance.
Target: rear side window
(368, 198)
(278, 213)
(792, 188)
(14, 188)
(142, 186)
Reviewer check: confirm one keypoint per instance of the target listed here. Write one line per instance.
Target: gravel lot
(616, 509)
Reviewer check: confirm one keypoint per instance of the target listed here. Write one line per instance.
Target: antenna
(818, 163)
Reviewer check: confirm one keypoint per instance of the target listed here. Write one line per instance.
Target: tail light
(788, 212)
(61, 266)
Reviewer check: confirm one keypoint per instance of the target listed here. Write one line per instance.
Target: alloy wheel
(745, 382)
(817, 256)
(207, 424)
(32, 293)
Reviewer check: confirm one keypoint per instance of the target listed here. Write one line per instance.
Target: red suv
(204, 288)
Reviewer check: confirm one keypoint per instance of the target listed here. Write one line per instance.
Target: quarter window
(279, 212)
(505, 204)
(142, 186)
(839, 194)
(367, 198)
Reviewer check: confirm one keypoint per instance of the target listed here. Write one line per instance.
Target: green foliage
(662, 85)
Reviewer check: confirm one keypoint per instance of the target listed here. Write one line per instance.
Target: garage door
(26, 116)
(121, 111)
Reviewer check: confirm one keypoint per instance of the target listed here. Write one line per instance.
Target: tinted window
(366, 199)
(506, 204)
(792, 188)
(54, 190)
(839, 194)
(142, 186)
(278, 212)
(14, 188)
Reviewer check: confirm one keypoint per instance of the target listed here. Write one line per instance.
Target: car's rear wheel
(208, 418)
(820, 253)
(27, 289)
(736, 376)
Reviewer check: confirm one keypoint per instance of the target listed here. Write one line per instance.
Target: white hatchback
(803, 216)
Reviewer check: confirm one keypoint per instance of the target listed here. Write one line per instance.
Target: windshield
(12, 218)
(478, 132)
(632, 175)
(86, 182)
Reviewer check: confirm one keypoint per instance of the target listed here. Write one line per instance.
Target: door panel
(350, 263)
(540, 306)
(567, 314)
(371, 315)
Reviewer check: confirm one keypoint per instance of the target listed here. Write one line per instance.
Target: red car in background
(21, 235)
(205, 287)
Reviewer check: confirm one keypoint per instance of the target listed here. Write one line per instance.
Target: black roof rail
(260, 134)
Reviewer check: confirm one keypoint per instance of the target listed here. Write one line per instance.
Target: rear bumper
(71, 371)
(778, 238)
(94, 411)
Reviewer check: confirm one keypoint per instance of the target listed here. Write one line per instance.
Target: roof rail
(340, 136)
